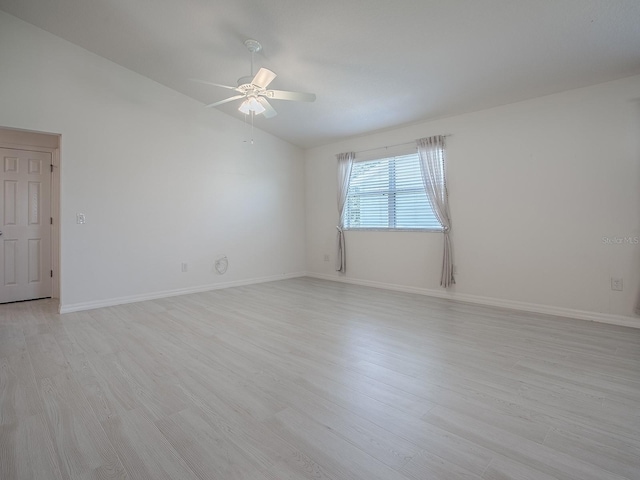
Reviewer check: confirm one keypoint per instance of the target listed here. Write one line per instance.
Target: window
(388, 193)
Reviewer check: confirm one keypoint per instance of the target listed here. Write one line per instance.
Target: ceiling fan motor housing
(242, 81)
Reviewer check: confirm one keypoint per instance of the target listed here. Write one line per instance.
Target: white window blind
(388, 193)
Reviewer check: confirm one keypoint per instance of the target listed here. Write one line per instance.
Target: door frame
(54, 202)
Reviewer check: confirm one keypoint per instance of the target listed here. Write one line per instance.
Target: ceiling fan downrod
(253, 46)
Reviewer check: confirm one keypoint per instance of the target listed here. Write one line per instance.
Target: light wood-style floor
(308, 379)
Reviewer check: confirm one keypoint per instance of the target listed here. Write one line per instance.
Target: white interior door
(25, 242)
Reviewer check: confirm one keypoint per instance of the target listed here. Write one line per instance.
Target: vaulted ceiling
(374, 64)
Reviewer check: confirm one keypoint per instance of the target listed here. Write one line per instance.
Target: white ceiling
(374, 64)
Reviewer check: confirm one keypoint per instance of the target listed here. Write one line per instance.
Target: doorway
(29, 245)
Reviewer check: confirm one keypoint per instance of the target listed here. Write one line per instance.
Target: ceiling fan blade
(263, 78)
(226, 100)
(296, 96)
(214, 84)
(269, 111)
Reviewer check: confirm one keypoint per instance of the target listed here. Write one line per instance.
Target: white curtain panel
(345, 162)
(432, 166)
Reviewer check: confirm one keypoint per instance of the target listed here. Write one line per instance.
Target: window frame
(391, 209)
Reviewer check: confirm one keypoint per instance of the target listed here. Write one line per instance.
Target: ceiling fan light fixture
(251, 104)
(244, 107)
(255, 105)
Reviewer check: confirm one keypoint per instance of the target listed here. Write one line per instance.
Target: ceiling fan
(253, 89)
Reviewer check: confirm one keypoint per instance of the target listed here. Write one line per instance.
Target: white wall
(534, 187)
(160, 179)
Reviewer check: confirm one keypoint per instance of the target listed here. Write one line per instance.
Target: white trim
(620, 320)
(27, 148)
(55, 227)
(110, 302)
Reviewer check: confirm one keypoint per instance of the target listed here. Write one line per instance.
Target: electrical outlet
(80, 219)
(185, 267)
(326, 257)
(616, 284)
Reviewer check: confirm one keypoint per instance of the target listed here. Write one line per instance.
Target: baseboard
(620, 320)
(110, 302)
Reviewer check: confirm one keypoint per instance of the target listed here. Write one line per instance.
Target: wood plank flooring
(309, 379)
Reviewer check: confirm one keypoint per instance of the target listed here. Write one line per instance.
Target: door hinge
(50, 220)
(51, 274)
(51, 167)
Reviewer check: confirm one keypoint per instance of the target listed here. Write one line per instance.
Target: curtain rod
(396, 145)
